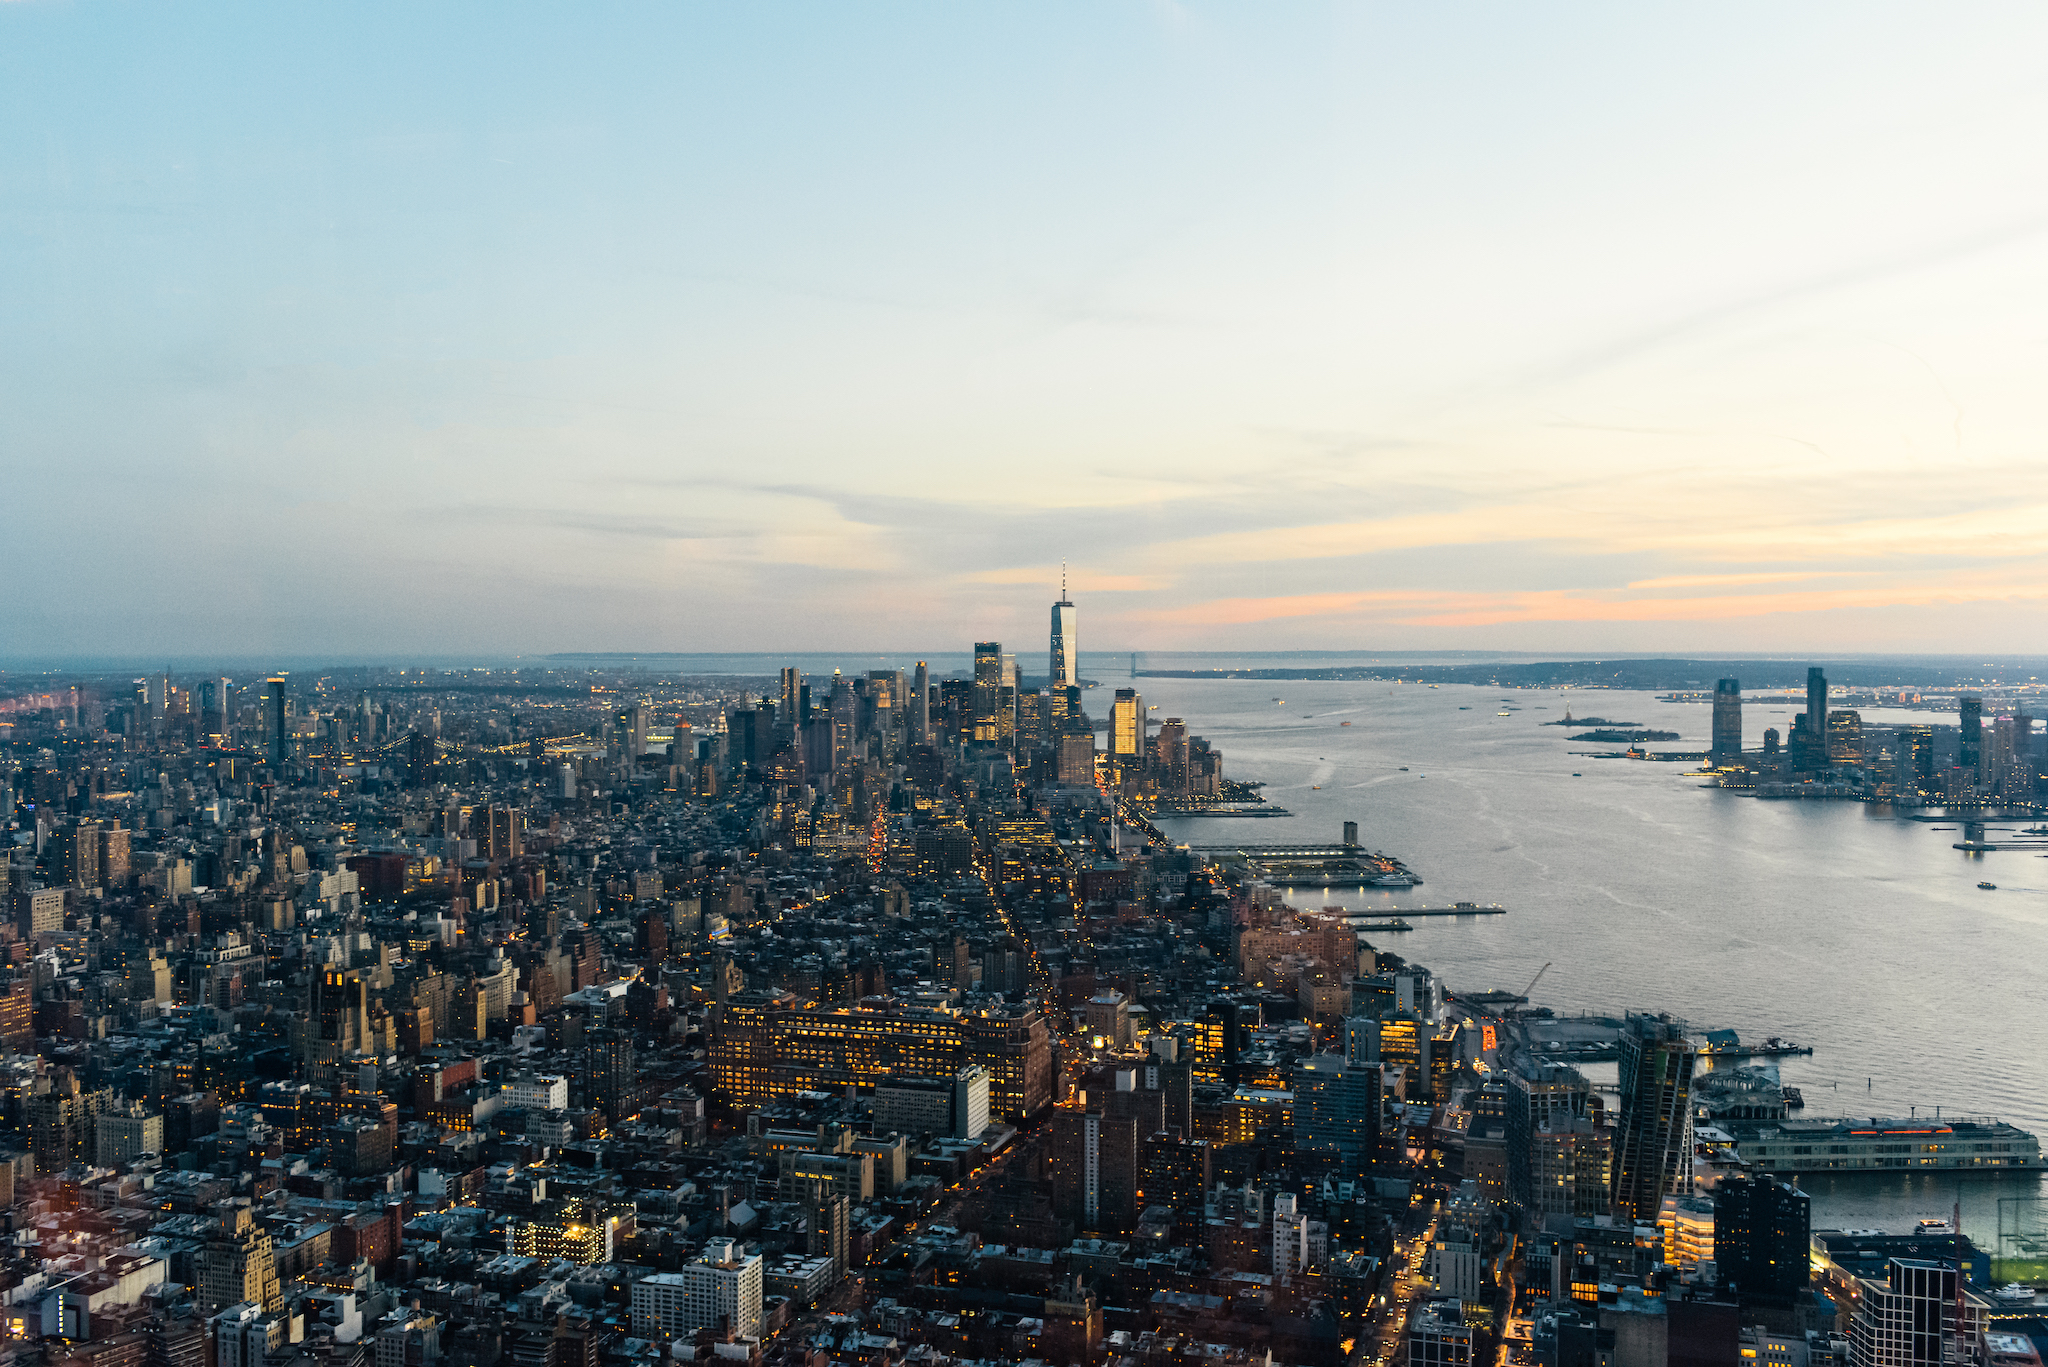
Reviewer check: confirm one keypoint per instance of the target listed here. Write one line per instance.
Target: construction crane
(1533, 981)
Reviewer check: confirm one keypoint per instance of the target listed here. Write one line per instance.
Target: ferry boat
(1989, 887)
(1978, 1143)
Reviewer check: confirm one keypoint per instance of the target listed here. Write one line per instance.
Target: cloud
(1695, 581)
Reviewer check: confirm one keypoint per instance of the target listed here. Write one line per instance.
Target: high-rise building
(1177, 1173)
(1845, 738)
(921, 705)
(1066, 646)
(1541, 1097)
(237, 1264)
(1916, 759)
(1762, 1237)
(1653, 1141)
(1971, 753)
(1127, 726)
(280, 739)
(1817, 713)
(609, 1072)
(1095, 1168)
(1337, 1106)
(1727, 746)
(1909, 1319)
(988, 690)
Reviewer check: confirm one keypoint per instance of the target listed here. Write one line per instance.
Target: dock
(1455, 909)
(1344, 865)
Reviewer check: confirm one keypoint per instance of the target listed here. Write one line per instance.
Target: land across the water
(1627, 737)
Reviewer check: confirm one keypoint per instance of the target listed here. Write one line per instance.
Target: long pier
(1455, 909)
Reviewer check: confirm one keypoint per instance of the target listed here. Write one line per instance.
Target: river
(1835, 924)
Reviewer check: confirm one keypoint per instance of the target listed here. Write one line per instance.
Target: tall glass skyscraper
(1653, 1142)
(1066, 645)
(1727, 721)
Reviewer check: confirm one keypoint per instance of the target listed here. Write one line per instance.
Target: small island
(1626, 737)
(1569, 720)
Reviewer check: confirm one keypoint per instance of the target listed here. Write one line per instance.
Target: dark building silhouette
(1762, 1237)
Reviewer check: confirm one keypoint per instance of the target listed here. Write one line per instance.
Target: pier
(1344, 865)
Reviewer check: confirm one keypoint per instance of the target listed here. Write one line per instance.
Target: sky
(379, 328)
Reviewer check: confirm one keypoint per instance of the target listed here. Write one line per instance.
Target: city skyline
(690, 329)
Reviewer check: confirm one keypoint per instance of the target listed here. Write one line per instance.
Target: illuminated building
(1653, 1142)
(1438, 1337)
(1300, 1244)
(237, 1264)
(1687, 1223)
(61, 1120)
(1065, 671)
(576, 1230)
(1845, 738)
(1127, 726)
(721, 1291)
(1727, 744)
(1016, 1049)
(1970, 754)
(988, 690)
(119, 1136)
(1840, 1145)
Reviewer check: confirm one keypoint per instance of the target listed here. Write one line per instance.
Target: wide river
(1834, 924)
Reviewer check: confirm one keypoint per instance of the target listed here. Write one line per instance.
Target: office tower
(1066, 646)
(1727, 745)
(1845, 738)
(921, 705)
(1337, 1106)
(721, 1292)
(1541, 1097)
(1817, 713)
(1971, 754)
(1770, 742)
(60, 1121)
(844, 714)
(1170, 758)
(608, 1073)
(1127, 727)
(1762, 1233)
(792, 686)
(988, 689)
(1653, 1142)
(279, 747)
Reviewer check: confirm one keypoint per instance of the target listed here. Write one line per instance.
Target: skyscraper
(278, 739)
(1971, 756)
(1066, 646)
(1653, 1142)
(1817, 713)
(1127, 726)
(988, 689)
(1762, 1229)
(920, 722)
(1727, 721)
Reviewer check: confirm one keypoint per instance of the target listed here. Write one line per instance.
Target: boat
(1989, 887)
(1343, 723)
(1391, 880)
(1315, 787)
(1577, 775)
(1404, 768)
(2014, 1293)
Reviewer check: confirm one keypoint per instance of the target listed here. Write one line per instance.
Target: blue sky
(377, 328)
